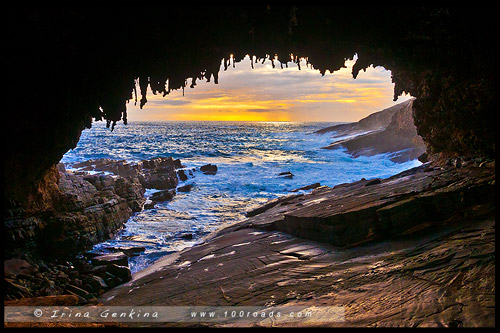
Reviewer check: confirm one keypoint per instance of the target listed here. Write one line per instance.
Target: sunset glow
(265, 93)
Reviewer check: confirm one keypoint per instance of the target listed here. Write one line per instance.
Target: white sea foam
(249, 157)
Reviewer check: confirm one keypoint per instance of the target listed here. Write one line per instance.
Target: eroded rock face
(89, 210)
(157, 173)
(439, 55)
(351, 214)
(428, 260)
(71, 211)
(61, 283)
(388, 131)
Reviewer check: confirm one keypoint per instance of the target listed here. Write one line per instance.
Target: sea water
(249, 157)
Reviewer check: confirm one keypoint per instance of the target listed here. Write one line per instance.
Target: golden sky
(274, 94)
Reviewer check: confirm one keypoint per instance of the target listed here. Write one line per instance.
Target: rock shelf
(416, 250)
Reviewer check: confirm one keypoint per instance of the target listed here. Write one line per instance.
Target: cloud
(169, 102)
(267, 94)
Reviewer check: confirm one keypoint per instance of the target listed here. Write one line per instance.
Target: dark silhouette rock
(182, 175)
(150, 205)
(120, 271)
(286, 175)
(209, 169)
(185, 188)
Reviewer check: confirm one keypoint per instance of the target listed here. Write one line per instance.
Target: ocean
(249, 157)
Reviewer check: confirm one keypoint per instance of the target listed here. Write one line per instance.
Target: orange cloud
(273, 94)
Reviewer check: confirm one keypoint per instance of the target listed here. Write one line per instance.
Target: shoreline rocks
(390, 131)
(75, 210)
(427, 237)
(162, 196)
(59, 282)
(209, 169)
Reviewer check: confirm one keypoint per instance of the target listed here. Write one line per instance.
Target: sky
(265, 93)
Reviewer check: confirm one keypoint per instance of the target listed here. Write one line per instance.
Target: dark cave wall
(71, 65)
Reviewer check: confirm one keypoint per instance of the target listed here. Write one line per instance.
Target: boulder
(118, 258)
(182, 175)
(209, 169)
(120, 271)
(185, 188)
(150, 205)
(96, 282)
(161, 196)
(128, 250)
(187, 236)
(15, 267)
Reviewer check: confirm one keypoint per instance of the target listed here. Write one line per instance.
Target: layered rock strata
(74, 210)
(70, 212)
(388, 131)
(416, 249)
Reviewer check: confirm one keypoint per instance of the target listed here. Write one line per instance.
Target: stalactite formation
(69, 66)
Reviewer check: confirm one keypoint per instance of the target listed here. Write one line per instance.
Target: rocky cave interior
(70, 66)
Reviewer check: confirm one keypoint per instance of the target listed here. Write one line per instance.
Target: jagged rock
(159, 181)
(89, 208)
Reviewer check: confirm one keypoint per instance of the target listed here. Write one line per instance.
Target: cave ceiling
(71, 65)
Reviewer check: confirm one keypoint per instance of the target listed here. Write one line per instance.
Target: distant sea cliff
(388, 131)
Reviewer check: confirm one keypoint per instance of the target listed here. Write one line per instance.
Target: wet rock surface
(85, 210)
(429, 264)
(76, 209)
(157, 173)
(73, 211)
(388, 131)
(209, 169)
